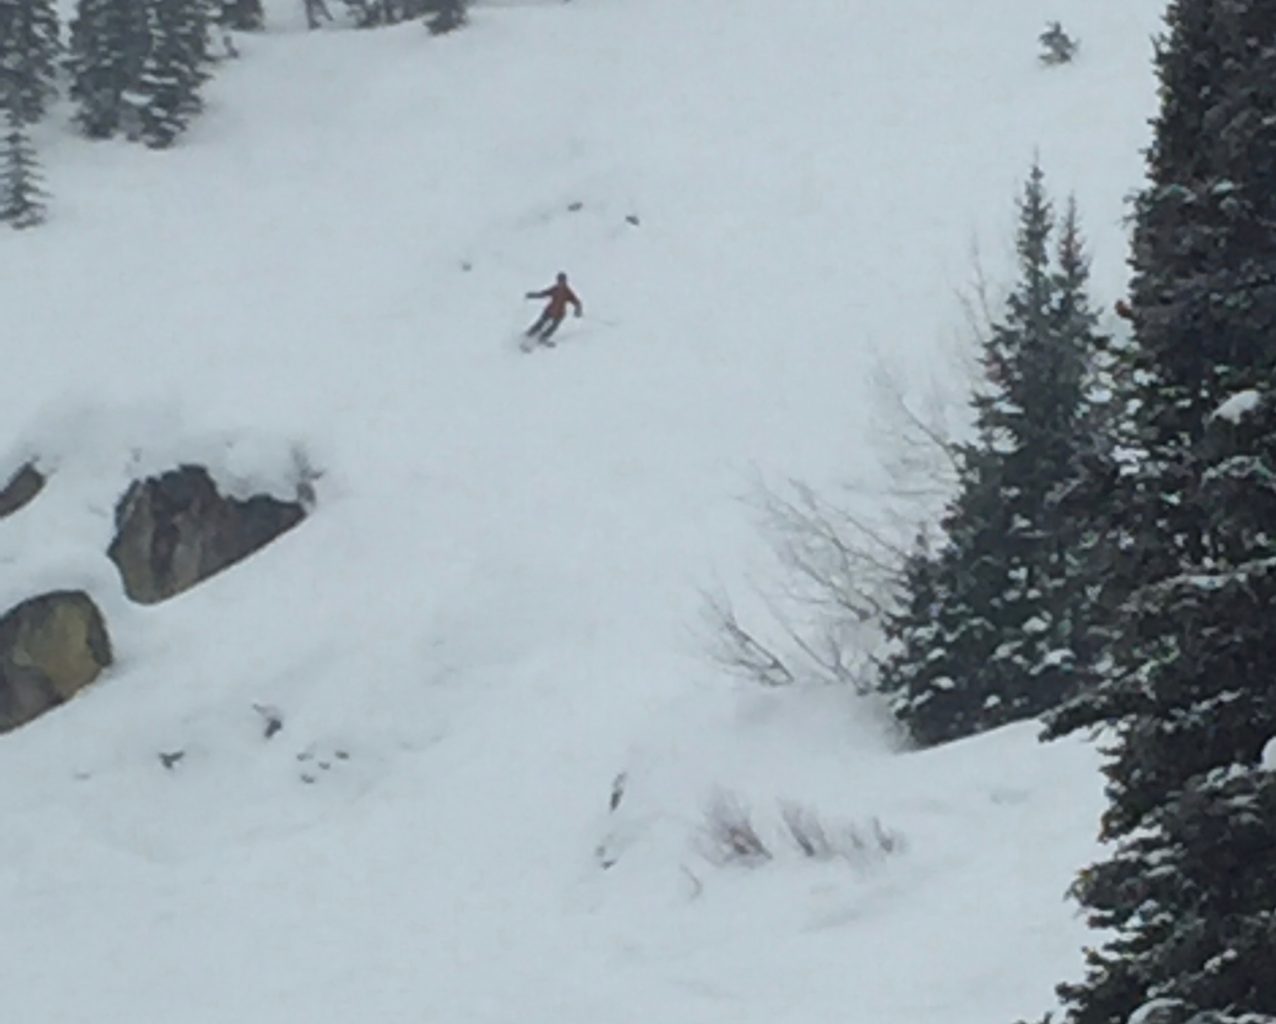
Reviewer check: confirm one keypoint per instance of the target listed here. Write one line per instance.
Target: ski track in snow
(494, 608)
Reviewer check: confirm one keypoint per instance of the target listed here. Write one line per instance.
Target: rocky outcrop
(174, 530)
(22, 487)
(51, 647)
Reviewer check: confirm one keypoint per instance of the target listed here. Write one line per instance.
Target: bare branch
(845, 569)
(729, 835)
(806, 830)
(817, 840)
(975, 302)
(738, 651)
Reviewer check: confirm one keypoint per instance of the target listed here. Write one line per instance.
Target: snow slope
(493, 611)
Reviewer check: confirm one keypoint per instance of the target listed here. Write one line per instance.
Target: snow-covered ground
(494, 609)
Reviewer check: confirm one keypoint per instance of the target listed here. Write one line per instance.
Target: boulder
(175, 529)
(22, 487)
(51, 647)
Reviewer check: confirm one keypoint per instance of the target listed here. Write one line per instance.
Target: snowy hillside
(493, 611)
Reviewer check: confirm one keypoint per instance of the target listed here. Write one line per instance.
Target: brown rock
(51, 647)
(174, 530)
(22, 487)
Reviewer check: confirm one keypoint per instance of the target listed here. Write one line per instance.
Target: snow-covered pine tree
(1189, 891)
(241, 15)
(109, 43)
(29, 45)
(1190, 888)
(1206, 932)
(932, 629)
(1084, 460)
(167, 91)
(373, 13)
(1005, 636)
(443, 16)
(1057, 47)
(29, 48)
(364, 13)
(942, 629)
(196, 23)
(21, 195)
(316, 9)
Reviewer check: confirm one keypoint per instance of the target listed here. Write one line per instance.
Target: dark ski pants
(544, 327)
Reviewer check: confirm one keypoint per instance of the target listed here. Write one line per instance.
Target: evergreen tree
(21, 197)
(167, 91)
(241, 15)
(943, 628)
(371, 13)
(1201, 276)
(1005, 635)
(443, 16)
(1057, 47)
(1189, 891)
(364, 13)
(316, 9)
(109, 44)
(29, 46)
(1191, 886)
(137, 66)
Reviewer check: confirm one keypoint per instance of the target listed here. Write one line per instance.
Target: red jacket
(560, 296)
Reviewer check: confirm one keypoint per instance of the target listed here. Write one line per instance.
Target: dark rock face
(22, 487)
(174, 530)
(51, 647)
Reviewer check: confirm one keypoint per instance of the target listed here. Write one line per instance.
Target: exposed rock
(272, 719)
(51, 647)
(174, 530)
(618, 785)
(22, 487)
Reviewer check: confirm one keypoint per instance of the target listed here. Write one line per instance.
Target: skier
(560, 297)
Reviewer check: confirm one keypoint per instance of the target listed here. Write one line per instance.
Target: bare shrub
(737, 650)
(847, 841)
(843, 573)
(842, 563)
(823, 625)
(807, 831)
(728, 835)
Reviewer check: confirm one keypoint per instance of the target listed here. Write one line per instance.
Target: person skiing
(560, 297)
